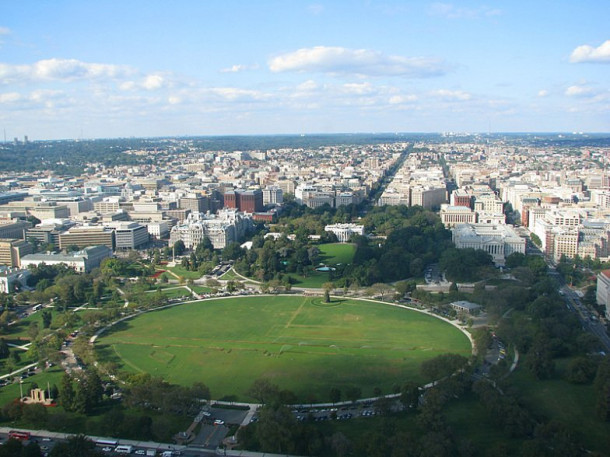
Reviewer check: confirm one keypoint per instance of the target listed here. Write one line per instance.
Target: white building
(129, 235)
(428, 196)
(499, 241)
(158, 229)
(273, 195)
(224, 228)
(489, 203)
(82, 261)
(344, 232)
(10, 276)
(453, 215)
(603, 290)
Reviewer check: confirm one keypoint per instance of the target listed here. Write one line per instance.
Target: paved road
(574, 303)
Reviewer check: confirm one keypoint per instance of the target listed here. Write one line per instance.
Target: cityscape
(325, 229)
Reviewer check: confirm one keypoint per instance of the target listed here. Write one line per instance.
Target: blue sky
(72, 69)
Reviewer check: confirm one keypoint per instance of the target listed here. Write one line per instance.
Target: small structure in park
(466, 307)
(39, 396)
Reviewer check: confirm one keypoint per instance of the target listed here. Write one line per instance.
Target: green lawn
(230, 274)
(314, 281)
(201, 289)
(11, 392)
(173, 291)
(331, 254)
(337, 253)
(572, 404)
(298, 343)
(469, 419)
(180, 271)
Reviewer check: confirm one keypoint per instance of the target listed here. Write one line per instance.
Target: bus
(18, 435)
(106, 442)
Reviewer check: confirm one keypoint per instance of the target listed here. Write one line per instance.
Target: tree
(76, 446)
(4, 349)
(409, 395)
(67, 394)
(47, 317)
(442, 366)
(263, 390)
(33, 330)
(580, 370)
(335, 395)
(179, 247)
(232, 251)
(380, 289)
(276, 429)
(539, 359)
(14, 357)
(353, 393)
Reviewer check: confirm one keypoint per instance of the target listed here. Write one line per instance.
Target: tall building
(87, 236)
(15, 229)
(273, 195)
(602, 295)
(12, 251)
(199, 204)
(246, 201)
(129, 235)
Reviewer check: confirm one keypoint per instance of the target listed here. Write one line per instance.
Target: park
(301, 344)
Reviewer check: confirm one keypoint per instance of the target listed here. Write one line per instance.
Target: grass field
(299, 343)
(331, 254)
(178, 270)
(12, 391)
(573, 405)
(337, 253)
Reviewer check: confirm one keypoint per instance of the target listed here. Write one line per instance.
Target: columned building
(344, 232)
(498, 240)
(453, 215)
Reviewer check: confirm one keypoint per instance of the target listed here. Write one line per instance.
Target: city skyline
(73, 69)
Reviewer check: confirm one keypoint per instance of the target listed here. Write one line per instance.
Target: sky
(151, 68)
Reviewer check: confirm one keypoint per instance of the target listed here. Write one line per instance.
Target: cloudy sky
(90, 69)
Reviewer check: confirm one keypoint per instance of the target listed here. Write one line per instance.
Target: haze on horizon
(72, 69)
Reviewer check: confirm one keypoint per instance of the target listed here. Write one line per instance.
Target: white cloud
(451, 11)
(5, 31)
(308, 85)
(452, 94)
(543, 93)
(128, 85)
(579, 91)
(586, 53)
(239, 68)
(339, 60)
(10, 97)
(316, 9)
(66, 70)
(234, 93)
(153, 82)
(400, 99)
(358, 88)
